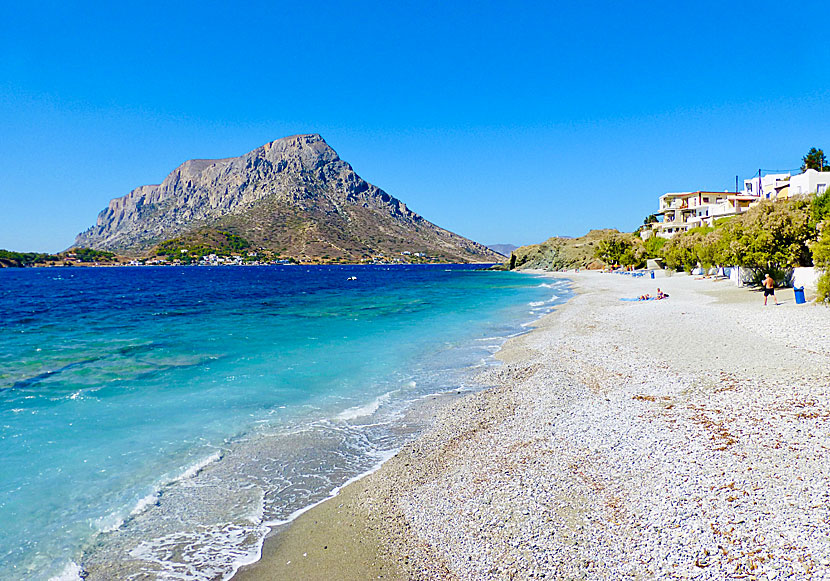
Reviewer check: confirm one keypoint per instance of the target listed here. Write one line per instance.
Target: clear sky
(506, 122)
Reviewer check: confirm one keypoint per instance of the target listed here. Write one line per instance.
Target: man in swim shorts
(769, 289)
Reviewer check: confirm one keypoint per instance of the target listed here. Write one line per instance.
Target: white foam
(109, 523)
(253, 556)
(364, 410)
(536, 303)
(382, 458)
(198, 467)
(149, 500)
(71, 572)
(204, 555)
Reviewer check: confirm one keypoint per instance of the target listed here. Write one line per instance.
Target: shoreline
(169, 520)
(655, 439)
(355, 540)
(350, 546)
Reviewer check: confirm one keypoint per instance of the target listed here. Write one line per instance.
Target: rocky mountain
(503, 249)
(293, 196)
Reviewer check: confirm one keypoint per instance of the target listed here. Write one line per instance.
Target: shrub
(823, 288)
(821, 261)
(654, 246)
(768, 238)
(621, 249)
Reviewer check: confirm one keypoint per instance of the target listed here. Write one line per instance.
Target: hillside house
(809, 182)
(683, 211)
(769, 187)
(785, 186)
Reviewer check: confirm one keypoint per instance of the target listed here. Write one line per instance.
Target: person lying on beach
(661, 294)
(645, 297)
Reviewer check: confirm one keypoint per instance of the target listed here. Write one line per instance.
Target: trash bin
(799, 295)
(652, 274)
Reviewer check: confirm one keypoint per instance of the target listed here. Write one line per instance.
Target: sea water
(158, 422)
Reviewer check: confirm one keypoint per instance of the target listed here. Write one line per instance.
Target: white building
(683, 211)
(768, 187)
(783, 186)
(809, 182)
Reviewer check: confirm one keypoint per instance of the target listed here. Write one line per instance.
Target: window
(821, 188)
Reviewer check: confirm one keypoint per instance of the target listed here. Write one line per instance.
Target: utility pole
(736, 184)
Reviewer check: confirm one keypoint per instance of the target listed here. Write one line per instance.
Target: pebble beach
(684, 438)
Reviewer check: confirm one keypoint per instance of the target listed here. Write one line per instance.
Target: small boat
(352, 278)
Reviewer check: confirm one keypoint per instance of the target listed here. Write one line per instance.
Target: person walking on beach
(769, 289)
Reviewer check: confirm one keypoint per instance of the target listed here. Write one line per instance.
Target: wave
(143, 504)
(382, 458)
(117, 519)
(193, 470)
(365, 410)
(207, 554)
(71, 572)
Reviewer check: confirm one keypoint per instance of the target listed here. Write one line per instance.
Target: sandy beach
(677, 439)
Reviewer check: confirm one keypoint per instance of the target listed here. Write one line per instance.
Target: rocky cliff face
(294, 195)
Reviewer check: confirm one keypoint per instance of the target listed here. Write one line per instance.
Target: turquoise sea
(156, 423)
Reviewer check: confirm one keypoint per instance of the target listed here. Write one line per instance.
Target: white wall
(809, 182)
(805, 276)
(769, 182)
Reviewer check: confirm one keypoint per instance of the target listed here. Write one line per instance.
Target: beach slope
(681, 438)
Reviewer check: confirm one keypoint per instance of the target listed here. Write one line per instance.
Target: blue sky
(504, 122)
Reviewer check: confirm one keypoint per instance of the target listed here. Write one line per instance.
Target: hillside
(503, 249)
(560, 253)
(293, 196)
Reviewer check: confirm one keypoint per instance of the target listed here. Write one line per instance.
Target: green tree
(821, 260)
(769, 236)
(814, 159)
(688, 250)
(620, 249)
(653, 246)
(820, 208)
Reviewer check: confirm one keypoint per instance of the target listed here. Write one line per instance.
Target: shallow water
(155, 421)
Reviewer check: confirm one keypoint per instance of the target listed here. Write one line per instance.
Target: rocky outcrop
(293, 195)
(560, 253)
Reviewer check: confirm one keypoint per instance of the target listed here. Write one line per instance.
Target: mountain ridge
(293, 195)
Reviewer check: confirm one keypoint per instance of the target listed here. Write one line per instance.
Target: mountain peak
(292, 195)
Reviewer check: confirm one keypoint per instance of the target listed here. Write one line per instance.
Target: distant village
(253, 259)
